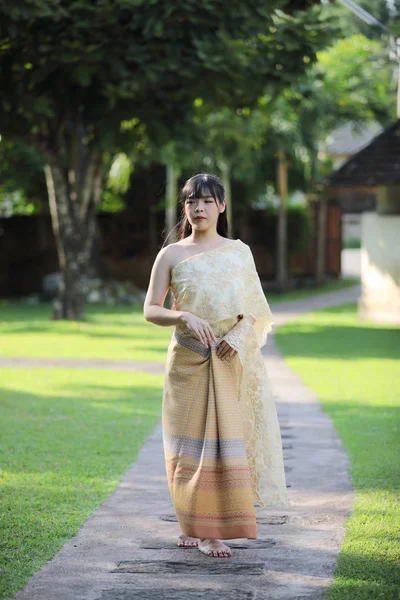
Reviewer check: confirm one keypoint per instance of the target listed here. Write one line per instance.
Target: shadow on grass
(62, 455)
(321, 340)
(70, 431)
(123, 324)
(12, 311)
(71, 329)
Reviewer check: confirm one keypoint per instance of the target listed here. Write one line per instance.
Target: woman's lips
(199, 218)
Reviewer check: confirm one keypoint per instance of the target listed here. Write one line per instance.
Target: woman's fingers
(225, 351)
(207, 336)
(205, 333)
(212, 338)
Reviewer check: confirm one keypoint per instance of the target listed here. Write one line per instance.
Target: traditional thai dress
(221, 434)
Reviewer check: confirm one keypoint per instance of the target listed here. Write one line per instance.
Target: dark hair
(202, 185)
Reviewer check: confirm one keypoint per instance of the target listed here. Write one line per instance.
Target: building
(373, 176)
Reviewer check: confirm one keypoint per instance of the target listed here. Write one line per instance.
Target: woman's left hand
(225, 351)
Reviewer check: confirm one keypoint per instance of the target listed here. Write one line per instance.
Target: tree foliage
(83, 76)
(386, 11)
(22, 183)
(101, 62)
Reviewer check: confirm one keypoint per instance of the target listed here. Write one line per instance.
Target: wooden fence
(128, 244)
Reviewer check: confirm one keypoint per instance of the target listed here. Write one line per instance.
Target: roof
(376, 164)
(348, 139)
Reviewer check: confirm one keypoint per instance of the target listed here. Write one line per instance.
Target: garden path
(126, 550)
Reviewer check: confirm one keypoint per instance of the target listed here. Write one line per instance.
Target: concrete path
(126, 549)
(82, 363)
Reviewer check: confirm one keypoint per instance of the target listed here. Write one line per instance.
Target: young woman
(221, 435)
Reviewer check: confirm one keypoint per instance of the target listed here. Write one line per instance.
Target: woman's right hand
(200, 327)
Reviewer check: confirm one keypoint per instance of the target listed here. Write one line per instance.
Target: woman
(221, 435)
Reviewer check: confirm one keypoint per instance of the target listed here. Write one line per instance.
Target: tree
(82, 74)
(352, 81)
(386, 11)
(22, 184)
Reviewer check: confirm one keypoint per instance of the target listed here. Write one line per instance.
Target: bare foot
(187, 541)
(214, 548)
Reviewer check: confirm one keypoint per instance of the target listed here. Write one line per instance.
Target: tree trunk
(74, 194)
(322, 208)
(226, 180)
(171, 201)
(398, 91)
(281, 243)
(153, 236)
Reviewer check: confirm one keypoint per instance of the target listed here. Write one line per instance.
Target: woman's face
(207, 207)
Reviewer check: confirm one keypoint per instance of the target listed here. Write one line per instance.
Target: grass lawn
(109, 332)
(66, 438)
(353, 367)
(302, 293)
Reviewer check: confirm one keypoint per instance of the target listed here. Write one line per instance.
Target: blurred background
(293, 106)
(106, 108)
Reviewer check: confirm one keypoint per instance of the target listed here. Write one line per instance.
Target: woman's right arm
(160, 280)
(153, 308)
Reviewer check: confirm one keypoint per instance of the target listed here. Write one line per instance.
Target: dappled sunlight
(110, 333)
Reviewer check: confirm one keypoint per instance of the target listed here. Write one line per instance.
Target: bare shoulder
(177, 251)
(171, 254)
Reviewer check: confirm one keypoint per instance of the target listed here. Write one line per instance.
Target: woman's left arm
(227, 348)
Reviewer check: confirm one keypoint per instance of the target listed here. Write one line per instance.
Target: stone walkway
(126, 549)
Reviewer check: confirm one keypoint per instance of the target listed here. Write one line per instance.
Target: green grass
(108, 332)
(303, 293)
(66, 438)
(353, 367)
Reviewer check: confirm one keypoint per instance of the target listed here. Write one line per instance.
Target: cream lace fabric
(220, 286)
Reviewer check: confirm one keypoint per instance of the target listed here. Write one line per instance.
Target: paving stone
(176, 594)
(169, 518)
(272, 520)
(240, 545)
(212, 567)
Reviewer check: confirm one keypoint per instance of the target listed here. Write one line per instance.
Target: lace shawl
(221, 286)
